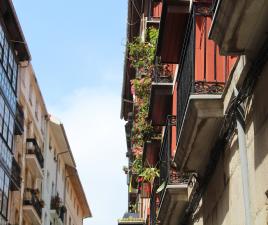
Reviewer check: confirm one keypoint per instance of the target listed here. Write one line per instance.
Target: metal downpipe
(244, 160)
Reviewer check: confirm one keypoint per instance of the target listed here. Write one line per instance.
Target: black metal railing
(168, 173)
(15, 176)
(187, 82)
(19, 120)
(31, 199)
(33, 148)
(162, 73)
(57, 204)
(154, 203)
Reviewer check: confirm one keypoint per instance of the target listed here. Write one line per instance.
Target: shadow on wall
(260, 120)
(223, 200)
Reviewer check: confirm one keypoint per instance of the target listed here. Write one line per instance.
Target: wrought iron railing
(57, 205)
(33, 148)
(154, 203)
(15, 176)
(31, 199)
(187, 82)
(168, 173)
(19, 121)
(162, 73)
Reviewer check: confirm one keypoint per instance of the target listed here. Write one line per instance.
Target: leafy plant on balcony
(141, 53)
(144, 174)
(149, 174)
(137, 167)
(141, 56)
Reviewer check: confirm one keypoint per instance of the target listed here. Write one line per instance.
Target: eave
(11, 22)
(133, 29)
(240, 27)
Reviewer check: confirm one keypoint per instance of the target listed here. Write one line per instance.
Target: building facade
(203, 140)
(33, 175)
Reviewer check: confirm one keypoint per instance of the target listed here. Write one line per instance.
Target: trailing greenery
(141, 53)
(149, 174)
(142, 59)
(141, 56)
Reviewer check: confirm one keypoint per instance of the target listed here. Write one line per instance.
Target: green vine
(141, 57)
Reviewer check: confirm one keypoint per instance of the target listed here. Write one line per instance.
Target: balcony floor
(173, 204)
(31, 215)
(33, 165)
(199, 132)
(54, 217)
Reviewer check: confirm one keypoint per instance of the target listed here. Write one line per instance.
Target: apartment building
(65, 200)
(205, 143)
(13, 51)
(27, 169)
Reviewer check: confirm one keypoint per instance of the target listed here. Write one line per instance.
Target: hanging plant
(149, 174)
(137, 166)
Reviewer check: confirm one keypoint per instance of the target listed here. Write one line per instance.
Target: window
(70, 221)
(5, 197)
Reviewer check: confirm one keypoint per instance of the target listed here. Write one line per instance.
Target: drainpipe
(244, 160)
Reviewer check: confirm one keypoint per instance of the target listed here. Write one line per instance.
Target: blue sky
(77, 50)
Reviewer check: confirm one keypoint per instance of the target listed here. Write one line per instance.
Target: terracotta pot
(146, 190)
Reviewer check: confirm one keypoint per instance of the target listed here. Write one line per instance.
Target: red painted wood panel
(156, 9)
(209, 64)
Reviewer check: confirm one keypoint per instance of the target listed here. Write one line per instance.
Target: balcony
(151, 152)
(172, 28)
(131, 219)
(161, 95)
(32, 206)
(19, 121)
(15, 176)
(240, 27)
(201, 81)
(173, 186)
(57, 211)
(34, 158)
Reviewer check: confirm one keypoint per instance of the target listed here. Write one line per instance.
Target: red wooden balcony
(153, 10)
(201, 81)
(151, 152)
(161, 94)
(172, 29)
(173, 188)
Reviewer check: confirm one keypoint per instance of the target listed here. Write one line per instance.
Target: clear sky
(77, 50)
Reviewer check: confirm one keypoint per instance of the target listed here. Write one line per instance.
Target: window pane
(5, 131)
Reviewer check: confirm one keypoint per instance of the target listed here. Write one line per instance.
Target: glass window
(1, 186)
(5, 57)
(5, 196)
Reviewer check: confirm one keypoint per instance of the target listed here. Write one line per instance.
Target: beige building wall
(62, 180)
(223, 202)
(30, 98)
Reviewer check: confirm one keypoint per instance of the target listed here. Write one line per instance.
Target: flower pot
(145, 190)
